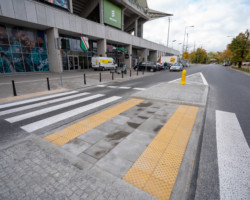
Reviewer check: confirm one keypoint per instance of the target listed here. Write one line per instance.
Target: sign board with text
(112, 14)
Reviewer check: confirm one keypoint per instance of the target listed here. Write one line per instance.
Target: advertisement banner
(61, 3)
(112, 14)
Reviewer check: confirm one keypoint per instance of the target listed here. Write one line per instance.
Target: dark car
(146, 66)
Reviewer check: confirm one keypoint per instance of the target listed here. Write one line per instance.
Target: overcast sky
(213, 21)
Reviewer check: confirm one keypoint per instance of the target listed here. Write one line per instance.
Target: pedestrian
(165, 66)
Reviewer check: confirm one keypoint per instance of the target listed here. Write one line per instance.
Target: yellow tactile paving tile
(156, 170)
(71, 132)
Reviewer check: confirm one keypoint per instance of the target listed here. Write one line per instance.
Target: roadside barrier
(137, 71)
(100, 76)
(122, 74)
(84, 78)
(183, 77)
(130, 73)
(48, 83)
(14, 88)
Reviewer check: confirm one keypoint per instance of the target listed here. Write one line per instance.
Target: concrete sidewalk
(28, 83)
(99, 163)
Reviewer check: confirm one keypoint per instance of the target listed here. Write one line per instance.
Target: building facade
(45, 35)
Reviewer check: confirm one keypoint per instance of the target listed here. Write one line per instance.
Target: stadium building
(63, 35)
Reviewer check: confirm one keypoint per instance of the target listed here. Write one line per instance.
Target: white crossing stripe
(5, 112)
(101, 85)
(57, 118)
(36, 99)
(203, 79)
(49, 109)
(113, 86)
(139, 88)
(125, 88)
(233, 157)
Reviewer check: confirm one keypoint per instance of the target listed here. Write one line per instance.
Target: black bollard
(84, 77)
(143, 72)
(130, 73)
(137, 72)
(100, 76)
(14, 88)
(112, 76)
(122, 74)
(48, 83)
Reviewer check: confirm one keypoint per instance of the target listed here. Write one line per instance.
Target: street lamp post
(173, 43)
(184, 38)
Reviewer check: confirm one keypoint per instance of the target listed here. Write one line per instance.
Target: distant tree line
(236, 52)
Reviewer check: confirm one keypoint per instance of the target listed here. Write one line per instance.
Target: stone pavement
(92, 166)
(30, 83)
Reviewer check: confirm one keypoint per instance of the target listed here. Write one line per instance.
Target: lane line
(63, 116)
(203, 79)
(5, 112)
(50, 109)
(112, 86)
(71, 132)
(101, 86)
(36, 99)
(125, 88)
(156, 170)
(139, 89)
(233, 157)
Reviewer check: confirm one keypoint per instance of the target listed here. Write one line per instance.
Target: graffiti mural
(22, 50)
(61, 3)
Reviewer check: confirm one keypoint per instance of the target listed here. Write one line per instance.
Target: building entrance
(73, 62)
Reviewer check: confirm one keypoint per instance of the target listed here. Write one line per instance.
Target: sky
(213, 21)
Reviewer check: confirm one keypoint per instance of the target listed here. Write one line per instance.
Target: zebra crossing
(41, 112)
(118, 87)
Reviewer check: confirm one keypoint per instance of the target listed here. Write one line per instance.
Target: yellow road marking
(71, 132)
(156, 170)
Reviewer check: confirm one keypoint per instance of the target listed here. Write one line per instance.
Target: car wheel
(151, 70)
(103, 69)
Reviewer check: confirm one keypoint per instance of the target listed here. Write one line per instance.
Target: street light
(173, 43)
(184, 38)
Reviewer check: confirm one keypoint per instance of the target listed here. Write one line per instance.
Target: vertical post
(122, 74)
(168, 29)
(100, 76)
(112, 76)
(48, 83)
(143, 72)
(84, 77)
(130, 73)
(137, 72)
(14, 88)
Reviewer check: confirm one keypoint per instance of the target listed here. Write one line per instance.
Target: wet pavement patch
(145, 104)
(143, 117)
(117, 135)
(133, 125)
(158, 128)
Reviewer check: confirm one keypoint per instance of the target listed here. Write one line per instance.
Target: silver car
(176, 67)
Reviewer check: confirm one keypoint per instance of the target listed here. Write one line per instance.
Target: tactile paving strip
(156, 170)
(71, 132)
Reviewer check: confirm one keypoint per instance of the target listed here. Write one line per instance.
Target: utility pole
(187, 43)
(168, 29)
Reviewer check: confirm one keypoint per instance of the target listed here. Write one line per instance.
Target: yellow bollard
(183, 77)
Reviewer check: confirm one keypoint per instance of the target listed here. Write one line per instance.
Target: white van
(103, 63)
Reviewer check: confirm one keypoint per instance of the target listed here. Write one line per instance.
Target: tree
(240, 47)
(185, 55)
(227, 54)
(199, 56)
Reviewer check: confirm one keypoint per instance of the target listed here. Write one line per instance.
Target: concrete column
(142, 30)
(101, 47)
(128, 61)
(71, 6)
(136, 27)
(144, 55)
(153, 56)
(54, 55)
(123, 18)
(101, 7)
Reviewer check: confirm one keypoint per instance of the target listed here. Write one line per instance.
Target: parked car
(146, 66)
(176, 67)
